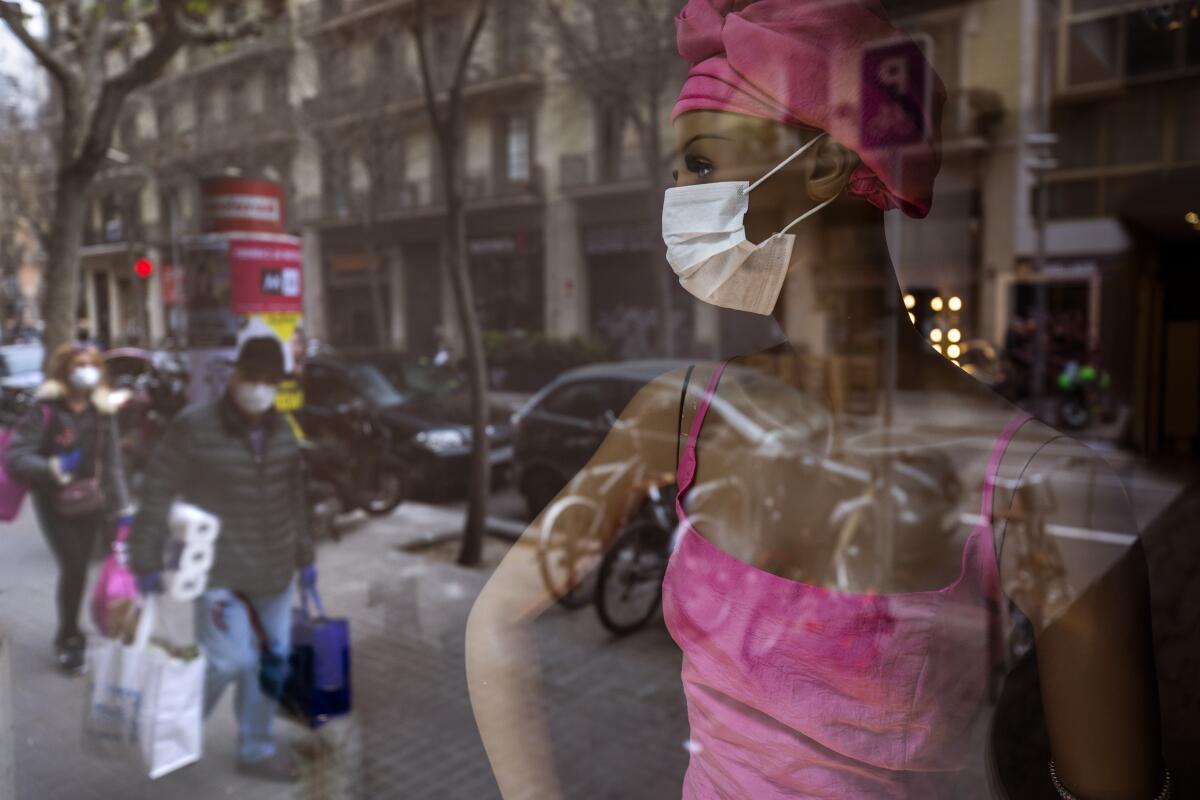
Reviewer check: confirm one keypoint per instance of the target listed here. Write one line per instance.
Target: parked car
(21, 366)
(563, 424)
(425, 408)
(20, 375)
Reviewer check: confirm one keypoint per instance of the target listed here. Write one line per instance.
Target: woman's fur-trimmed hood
(101, 398)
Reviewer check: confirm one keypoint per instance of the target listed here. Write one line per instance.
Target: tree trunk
(60, 304)
(378, 315)
(651, 141)
(479, 474)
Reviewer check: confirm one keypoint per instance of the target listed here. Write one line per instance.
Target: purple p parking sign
(895, 84)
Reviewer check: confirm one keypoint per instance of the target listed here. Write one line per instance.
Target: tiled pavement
(618, 720)
(413, 735)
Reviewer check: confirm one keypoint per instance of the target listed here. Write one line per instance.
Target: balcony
(320, 16)
(276, 35)
(580, 171)
(365, 98)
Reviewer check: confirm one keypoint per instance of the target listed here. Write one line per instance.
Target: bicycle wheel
(629, 586)
(568, 551)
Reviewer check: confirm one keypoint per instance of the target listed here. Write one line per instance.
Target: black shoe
(69, 653)
(280, 768)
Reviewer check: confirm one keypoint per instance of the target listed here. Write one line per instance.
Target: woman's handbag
(79, 498)
(84, 496)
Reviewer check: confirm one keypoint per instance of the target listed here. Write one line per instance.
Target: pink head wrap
(803, 62)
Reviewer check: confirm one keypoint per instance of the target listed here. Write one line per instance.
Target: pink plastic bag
(12, 490)
(116, 588)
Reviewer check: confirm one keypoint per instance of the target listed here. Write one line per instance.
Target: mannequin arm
(1094, 649)
(503, 673)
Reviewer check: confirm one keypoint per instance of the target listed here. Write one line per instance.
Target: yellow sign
(290, 396)
(284, 325)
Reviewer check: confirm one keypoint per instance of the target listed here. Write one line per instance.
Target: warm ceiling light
(936, 304)
(955, 303)
(953, 351)
(912, 318)
(1192, 218)
(937, 347)
(935, 335)
(909, 301)
(954, 334)
(956, 362)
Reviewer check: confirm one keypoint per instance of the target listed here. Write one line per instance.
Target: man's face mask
(704, 229)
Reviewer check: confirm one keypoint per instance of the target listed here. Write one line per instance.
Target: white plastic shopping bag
(145, 705)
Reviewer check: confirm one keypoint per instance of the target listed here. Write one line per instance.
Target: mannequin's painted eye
(698, 166)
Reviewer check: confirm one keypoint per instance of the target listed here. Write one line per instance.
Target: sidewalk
(413, 735)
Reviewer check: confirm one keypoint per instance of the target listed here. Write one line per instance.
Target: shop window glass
(1149, 48)
(1191, 54)
(1135, 129)
(1073, 199)
(1187, 132)
(1092, 51)
(587, 400)
(1078, 128)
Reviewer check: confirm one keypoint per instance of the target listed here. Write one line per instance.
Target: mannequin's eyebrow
(700, 136)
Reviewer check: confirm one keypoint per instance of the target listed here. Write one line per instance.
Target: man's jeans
(232, 650)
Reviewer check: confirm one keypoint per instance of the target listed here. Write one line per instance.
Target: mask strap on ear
(807, 214)
(784, 163)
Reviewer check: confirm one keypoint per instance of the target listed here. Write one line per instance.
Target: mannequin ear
(829, 169)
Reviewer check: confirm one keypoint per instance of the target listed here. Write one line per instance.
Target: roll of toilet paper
(192, 524)
(193, 547)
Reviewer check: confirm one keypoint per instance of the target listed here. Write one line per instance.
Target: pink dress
(795, 690)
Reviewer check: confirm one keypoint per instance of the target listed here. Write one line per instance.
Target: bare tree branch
(14, 17)
(464, 55)
(417, 28)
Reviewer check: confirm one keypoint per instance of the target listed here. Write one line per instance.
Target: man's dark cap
(263, 354)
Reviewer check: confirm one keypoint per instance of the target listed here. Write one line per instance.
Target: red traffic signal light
(144, 267)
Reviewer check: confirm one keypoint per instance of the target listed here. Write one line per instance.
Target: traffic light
(143, 267)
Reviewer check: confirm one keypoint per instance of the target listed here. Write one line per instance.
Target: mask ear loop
(784, 163)
(808, 214)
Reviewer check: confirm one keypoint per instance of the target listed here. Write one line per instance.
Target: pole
(1041, 315)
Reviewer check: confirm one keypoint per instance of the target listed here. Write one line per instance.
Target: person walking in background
(66, 448)
(237, 459)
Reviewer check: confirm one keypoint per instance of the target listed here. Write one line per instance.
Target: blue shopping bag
(318, 681)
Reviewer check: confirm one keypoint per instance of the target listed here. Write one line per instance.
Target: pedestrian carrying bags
(145, 700)
(12, 490)
(318, 683)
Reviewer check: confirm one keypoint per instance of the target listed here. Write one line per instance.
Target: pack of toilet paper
(191, 550)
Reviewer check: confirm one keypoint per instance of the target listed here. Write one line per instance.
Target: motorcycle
(1083, 394)
(350, 465)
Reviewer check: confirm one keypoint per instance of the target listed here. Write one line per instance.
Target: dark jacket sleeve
(112, 477)
(25, 457)
(304, 542)
(165, 477)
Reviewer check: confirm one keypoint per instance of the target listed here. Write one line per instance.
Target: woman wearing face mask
(797, 686)
(237, 459)
(66, 449)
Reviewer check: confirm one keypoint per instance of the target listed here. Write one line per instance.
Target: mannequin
(744, 532)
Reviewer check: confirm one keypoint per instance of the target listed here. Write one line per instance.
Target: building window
(512, 37)
(516, 148)
(1107, 42)
(1092, 49)
(335, 68)
(447, 36)
(238, 101)
(384, 56)
(336, 168)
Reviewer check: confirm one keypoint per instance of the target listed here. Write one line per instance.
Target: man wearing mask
(237, 459)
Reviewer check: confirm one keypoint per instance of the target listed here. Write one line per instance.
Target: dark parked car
(20, 376)
(426, 409)
(562, 425)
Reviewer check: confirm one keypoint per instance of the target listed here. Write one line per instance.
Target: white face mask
(85, 377)
(704, 229)
(254, 398)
